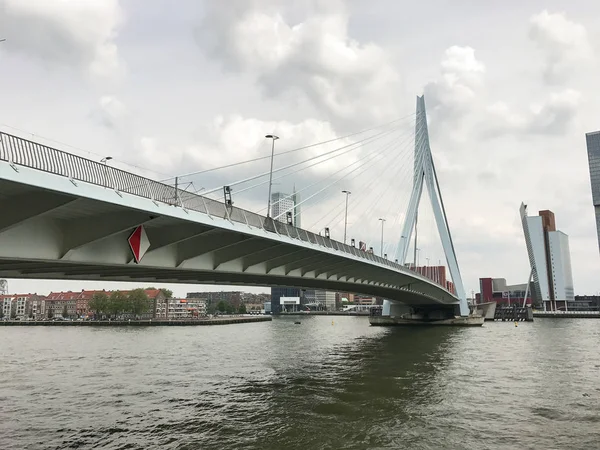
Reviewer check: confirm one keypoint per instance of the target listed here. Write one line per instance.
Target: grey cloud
(72, 33)
(351, 82)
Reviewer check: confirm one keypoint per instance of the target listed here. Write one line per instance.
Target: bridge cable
(285, 175)
(369, 140)
(307, 187)
(365, 190)
(295, 149)
(371, 155)
(342, 204)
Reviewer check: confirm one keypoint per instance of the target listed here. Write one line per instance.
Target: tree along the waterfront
(138, 302)
(135, 303)
(65, 312)
(99, 304)
(167, 292)
(242, 309)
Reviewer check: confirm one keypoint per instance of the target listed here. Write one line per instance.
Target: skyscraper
(593, 149)
(281, 204)
(550, 259)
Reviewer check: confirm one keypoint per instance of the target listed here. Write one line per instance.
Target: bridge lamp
(274, 138)
(105, 160)
(346, 217)
(382, 222)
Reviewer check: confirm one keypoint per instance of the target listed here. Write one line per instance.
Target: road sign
(139, 243)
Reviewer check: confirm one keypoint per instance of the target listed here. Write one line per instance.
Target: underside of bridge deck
(54, 228)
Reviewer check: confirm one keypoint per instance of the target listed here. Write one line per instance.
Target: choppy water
(276, 385)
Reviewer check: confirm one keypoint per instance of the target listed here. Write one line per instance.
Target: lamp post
(274, 138)
(346, 216)
(427, 269)
(382, 222)
(105, 160)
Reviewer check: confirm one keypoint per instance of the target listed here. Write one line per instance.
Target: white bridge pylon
(424, 172)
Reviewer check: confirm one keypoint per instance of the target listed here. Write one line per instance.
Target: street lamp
(346, 217)
(274, 138)
(382, 221)
(105, 160)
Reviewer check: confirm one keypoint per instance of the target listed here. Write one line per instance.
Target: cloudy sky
(510, 87)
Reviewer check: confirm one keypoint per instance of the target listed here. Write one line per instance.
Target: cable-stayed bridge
(68, 217)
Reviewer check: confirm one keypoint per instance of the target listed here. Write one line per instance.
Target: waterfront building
(281, 291)
(20, 306)
(180, 308)
(435, 273)
(496, 290)
(6, 305)
(593, 149)
(550, 260)
(365, 300)
(77, 304)
(325, 299)
(234, 298)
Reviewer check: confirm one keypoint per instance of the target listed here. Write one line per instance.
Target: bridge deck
(72, 221)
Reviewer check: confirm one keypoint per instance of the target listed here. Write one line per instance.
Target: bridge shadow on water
(330, 387)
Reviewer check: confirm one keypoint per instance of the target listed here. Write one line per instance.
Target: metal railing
(22, 152)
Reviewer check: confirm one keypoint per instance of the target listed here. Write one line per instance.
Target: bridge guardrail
(23, 152)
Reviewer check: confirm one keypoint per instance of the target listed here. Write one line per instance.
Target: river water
(328, 383)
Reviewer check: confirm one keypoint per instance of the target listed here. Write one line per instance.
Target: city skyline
(508, 115)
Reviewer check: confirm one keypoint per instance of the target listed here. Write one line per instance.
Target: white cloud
(70, 32)
(112, 112)
(553, 116)
(564, 43)
(315, 58)
(456, 91)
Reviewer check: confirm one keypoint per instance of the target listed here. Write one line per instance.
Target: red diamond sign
(139, 243)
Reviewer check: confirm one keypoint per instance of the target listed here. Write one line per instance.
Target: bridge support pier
(395, 314)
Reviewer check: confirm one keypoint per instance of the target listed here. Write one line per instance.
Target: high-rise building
(593, 149)
(549, 258)
(281, 204)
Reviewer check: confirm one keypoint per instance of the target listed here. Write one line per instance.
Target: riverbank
(137, 323)
(324, 313)
(567, 314)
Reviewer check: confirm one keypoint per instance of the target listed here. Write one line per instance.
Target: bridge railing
(23, 152)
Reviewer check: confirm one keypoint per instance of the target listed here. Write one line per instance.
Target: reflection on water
(321, 384)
